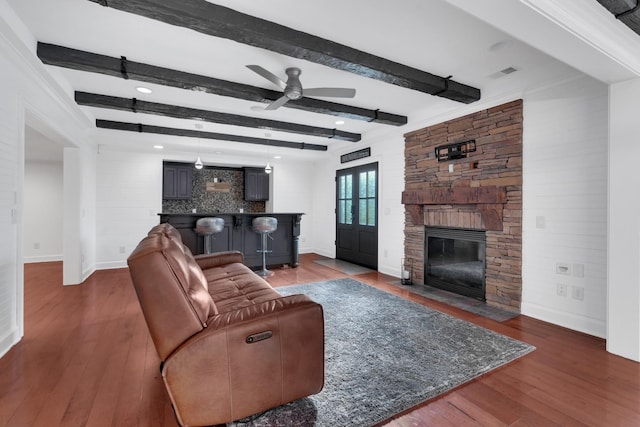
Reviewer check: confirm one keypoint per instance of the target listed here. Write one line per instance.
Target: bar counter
(238, 235)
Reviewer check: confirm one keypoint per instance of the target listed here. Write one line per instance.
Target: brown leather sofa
(230, 345)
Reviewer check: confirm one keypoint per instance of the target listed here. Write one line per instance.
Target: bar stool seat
(265, 225)
(207, 227)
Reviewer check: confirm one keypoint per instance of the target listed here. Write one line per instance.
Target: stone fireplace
(481, 192)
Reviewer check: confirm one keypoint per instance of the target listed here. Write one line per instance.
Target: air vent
(503, 72)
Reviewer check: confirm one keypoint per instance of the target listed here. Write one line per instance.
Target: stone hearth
(484, 192)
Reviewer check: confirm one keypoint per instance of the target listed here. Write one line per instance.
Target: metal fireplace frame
(472, 235)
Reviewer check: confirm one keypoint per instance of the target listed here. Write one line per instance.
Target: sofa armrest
(218, 259)
(248, 361)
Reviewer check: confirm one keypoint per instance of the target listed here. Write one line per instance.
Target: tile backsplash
(215, 202)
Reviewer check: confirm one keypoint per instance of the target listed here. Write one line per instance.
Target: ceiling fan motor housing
(293, 90)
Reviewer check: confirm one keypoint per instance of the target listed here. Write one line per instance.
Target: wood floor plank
(87, 360)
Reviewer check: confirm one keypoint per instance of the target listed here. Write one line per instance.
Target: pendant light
(198, 165)
(267, 169)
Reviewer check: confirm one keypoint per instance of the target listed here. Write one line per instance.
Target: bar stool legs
(264, 226)
(264, 272)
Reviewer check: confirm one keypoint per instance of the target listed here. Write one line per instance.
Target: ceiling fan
(293, 88)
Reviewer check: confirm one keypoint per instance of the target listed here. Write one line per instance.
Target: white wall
(129, 198)
(623, 320)
(25, 89)
(10, 250)
(565, 183)
(291, 191)
(42, 207)
(565, 204)
(388, 151)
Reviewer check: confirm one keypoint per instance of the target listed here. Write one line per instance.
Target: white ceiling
(434, 36)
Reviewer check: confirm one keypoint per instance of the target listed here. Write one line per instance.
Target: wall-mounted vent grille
(503, 72)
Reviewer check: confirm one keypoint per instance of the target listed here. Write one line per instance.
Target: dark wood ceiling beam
(219, 21)
(61, 56)
(137, 106)
(142, 128)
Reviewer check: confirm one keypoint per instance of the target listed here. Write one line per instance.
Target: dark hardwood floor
(87, 360)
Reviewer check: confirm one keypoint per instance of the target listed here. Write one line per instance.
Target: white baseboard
(88, 272)
(595, 327)
(42, 258)
(109, 265)
(328, 254)
(12, 338)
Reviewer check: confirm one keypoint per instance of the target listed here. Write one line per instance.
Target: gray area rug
(385, 354)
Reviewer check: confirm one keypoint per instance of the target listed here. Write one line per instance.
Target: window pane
(341, 211)
(362, 218)
(371, 184)
(349, 214)
(341, 187)
(349, 187)
(363, 185)
(371, 212)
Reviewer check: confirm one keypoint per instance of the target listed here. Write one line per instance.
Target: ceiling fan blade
(277, 103)
(334, 92)
(268, 75)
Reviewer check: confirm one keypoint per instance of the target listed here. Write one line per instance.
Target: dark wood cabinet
(256, 185)
(177, 180)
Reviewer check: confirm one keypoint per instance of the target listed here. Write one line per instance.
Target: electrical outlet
(122, 249)
(561, 289)
(577, 292)
(541, 222)
(563, 268)
(578, 270)
(36, 245)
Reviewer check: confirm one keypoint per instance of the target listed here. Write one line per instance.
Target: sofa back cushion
(172, 291)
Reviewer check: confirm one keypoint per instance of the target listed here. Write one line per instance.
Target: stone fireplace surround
(484, 192)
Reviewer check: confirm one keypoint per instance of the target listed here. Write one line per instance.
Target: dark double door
(357, 215)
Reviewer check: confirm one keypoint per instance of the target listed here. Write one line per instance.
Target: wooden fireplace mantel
(489, 201)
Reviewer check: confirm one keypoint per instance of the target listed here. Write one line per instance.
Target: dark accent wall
(214, 202)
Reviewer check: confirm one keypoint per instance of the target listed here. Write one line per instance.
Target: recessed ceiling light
(198, 126)
(143, 89)
(501, 45)
(339, 122)
(277, 157)
(158, 147)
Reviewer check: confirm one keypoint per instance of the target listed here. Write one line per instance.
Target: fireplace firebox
(455, 260)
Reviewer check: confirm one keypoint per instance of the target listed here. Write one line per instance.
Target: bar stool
(207, 227)
(264, 225)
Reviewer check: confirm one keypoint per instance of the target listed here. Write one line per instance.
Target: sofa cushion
(234, 286)
(191, 278)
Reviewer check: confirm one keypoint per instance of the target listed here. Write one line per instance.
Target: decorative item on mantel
(406, 271)
(215, 186)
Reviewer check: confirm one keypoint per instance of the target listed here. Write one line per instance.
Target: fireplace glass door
(455, 260)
